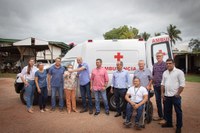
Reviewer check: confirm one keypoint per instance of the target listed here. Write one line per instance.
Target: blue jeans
(120, 93)
(157, 91)
(53, 96)
(85, 89)
(168, 103)
(129, 112)
(29, 93)
(97, 100)
(43, 97)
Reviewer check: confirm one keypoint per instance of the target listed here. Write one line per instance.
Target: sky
(80, 20)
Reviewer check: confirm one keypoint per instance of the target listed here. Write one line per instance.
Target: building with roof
(13, 50)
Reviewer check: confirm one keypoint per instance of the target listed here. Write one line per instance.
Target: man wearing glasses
(158, 68)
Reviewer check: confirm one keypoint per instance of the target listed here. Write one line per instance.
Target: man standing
(84, 81)
(119, 85)
(55, 81)
(144, 74)
(136, 97)
(172, 85)
(98, 83)
(158, 69)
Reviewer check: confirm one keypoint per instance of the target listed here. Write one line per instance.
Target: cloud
(77, 21)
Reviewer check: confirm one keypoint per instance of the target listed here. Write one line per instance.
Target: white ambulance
(130, 51)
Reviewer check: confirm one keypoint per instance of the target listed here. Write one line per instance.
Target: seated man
(136, 97)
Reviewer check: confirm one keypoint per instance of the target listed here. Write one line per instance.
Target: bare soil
(15, 118)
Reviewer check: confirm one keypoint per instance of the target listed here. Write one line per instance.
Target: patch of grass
(8, 75)
(192, 78)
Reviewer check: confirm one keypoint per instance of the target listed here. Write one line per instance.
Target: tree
(174, 34)
(123, 32)
(194, 44)
(157, 34)
(145, 36)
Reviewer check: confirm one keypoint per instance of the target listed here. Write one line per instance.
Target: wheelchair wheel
(149, 111)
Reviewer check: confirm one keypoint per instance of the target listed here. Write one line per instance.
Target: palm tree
(157, 34)
(145, 36)
(174, 34)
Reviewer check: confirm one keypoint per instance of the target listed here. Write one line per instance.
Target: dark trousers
(169, 102)
(85, 89)
(43, 97)
(157, 91)
(120, 94)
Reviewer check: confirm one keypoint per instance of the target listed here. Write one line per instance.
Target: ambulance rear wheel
(111, 102)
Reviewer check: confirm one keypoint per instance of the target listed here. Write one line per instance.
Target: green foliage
(194, 44)
(145, 36)
(157, 34)
(173, 33)
(123, 32)
(192, 78)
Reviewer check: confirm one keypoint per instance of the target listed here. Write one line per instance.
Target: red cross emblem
(118, 56)
(160, 51)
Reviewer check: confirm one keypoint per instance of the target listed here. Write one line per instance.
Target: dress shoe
(118, 114)
(107, 113)
(83, 110)
(178, 130)
(166, 125)
(53, 109)
(96, 113)
(90, 111)
(137, 127)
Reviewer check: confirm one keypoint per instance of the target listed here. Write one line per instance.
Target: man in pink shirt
(98, 83)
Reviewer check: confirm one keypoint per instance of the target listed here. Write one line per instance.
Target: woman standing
(41, 84)
(28, 75)
(70, 84)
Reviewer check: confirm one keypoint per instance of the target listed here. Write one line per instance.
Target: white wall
(56, 53)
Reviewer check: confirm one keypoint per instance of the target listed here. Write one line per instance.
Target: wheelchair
(147, 113)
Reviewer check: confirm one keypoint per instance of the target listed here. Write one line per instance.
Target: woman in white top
(28, 75)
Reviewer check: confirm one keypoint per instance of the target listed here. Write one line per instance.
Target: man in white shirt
(172, 85)
(136, 97)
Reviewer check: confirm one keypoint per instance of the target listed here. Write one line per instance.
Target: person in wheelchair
(136, 97)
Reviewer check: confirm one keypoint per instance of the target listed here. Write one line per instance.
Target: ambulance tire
(111, 102)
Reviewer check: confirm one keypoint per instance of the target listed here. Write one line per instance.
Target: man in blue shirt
(84, 81)
(119, 85)
(55, 81)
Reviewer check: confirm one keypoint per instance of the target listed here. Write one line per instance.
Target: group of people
(168, 83)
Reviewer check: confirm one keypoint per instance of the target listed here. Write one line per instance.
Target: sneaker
(162, 122)
(91, 111)
(96, 113)
(83, 110)
(45, 109)
(42, 111)
(157, 118)
(30, 111)
(127, 123)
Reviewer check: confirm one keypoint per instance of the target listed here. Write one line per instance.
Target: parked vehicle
(110, 51)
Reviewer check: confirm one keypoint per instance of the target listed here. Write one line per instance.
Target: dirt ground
(14, 117)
